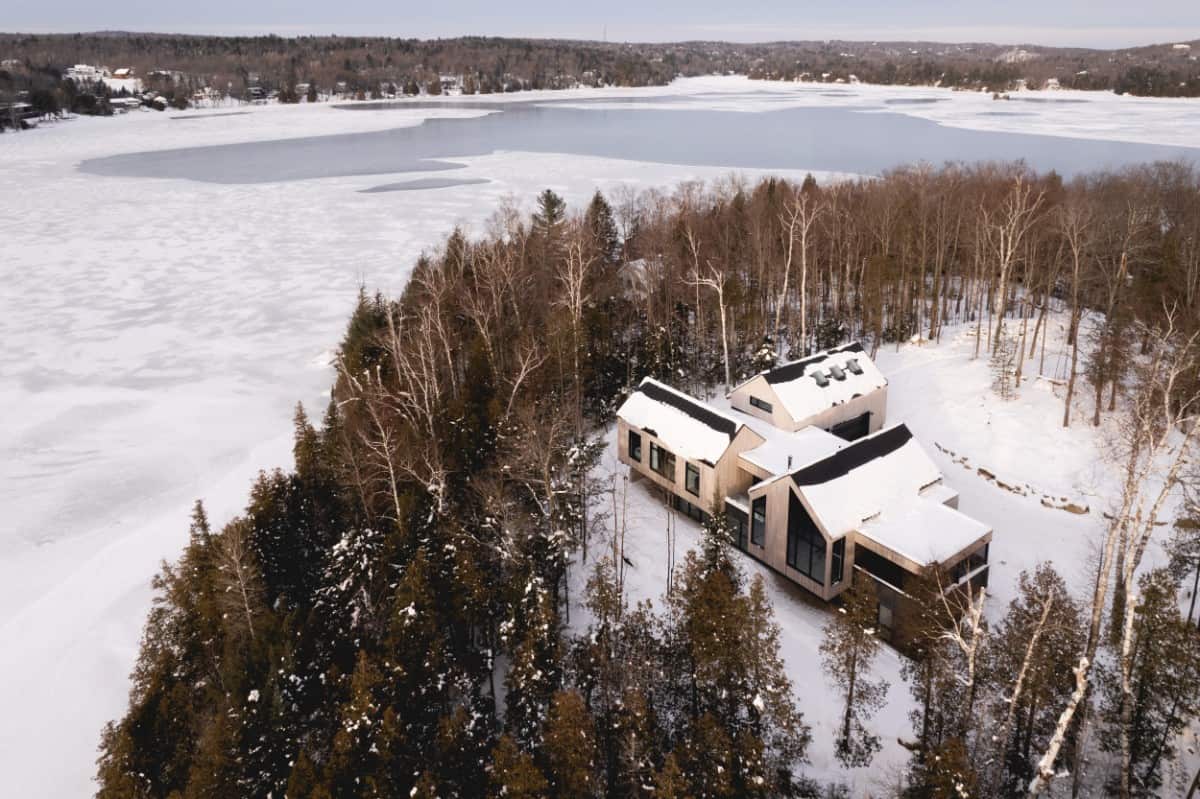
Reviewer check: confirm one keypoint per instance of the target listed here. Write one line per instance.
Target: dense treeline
(390, 617)
(1153, 71)
(367, 66)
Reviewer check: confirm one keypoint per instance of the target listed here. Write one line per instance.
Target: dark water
(834, 139)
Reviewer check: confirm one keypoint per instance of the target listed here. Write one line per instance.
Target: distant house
(839, 390)
(818, 491)
(123, 73)
(83, 73)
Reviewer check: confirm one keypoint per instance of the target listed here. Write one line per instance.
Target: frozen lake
(157, 333)
(866, 139)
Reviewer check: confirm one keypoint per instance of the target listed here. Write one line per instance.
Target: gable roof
(853, 456)
(701, 412)
(687, 426)
(875, 474)
(845, 372)
(785, 373)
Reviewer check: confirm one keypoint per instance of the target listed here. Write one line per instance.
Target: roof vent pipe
(789, 461)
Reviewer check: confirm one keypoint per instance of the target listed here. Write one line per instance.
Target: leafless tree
(239, 585)
(715, 279)
(797, 220)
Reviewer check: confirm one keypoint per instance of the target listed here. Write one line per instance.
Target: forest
(363, 66)
(389, 616)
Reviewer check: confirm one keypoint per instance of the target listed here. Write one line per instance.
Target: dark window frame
(737, 523)
(693, 512)
(762, 405)
(806, 546)
(758, 527)
(838, 561)
(635, 445)
(660, 460)
(690, 470)
(971, 563)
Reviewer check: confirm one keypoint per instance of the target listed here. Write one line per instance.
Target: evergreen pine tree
(670, 783)
(602, 227)
(765, 357)
(1039, 654)
(569, 747)
(1164, 690)
(360, 760)
(514, 774)
(847, 652)
(550, 217)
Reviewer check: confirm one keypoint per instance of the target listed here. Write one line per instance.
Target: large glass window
(970, 564)
(737, 525)
(691, 479)
(805, 544)
(662, 462)
(683, 506)
(758, 521)
(635, 445)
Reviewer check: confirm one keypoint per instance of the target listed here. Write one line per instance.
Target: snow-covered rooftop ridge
(688, 427)
(871, 476)
(814, 384)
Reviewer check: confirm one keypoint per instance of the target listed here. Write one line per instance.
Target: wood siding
(716, 481)
(874, 403)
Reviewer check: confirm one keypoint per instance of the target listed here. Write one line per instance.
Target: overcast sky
(1091, 23)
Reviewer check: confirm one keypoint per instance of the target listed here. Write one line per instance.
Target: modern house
(839, 390)
(815, 492)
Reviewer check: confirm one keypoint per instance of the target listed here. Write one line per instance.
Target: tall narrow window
(839, 558)
(691, 479)
(805, 544)
(635, 446)
(662, 462)
(758, 521)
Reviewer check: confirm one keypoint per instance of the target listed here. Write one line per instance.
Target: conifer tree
(847, 652)
(569, 747)
(765, 357)
(729, 681)
(360, 759)
(536, 669)
(1035, 647)
(602, 228)
(514, 775)
(1161, 694)
(305, 780)
(549, 218)
(670, 783)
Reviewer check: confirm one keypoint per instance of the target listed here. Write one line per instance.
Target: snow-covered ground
(157, 333)
(944, 394)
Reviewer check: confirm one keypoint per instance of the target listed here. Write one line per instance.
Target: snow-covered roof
(877, 474)
(781, 451)
(923, 530)
(814, 384)
(688, 427)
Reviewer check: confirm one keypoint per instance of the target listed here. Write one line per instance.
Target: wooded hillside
(388, 618)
